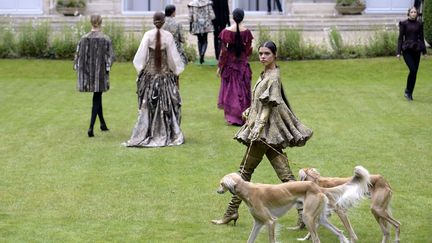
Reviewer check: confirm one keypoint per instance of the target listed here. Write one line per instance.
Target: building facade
(147, 7)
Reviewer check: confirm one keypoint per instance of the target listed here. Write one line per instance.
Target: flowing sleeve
(175, 62)
(109, 55)
(77, 54)
(401, 36)
(272, 96)
(141, 55)
(223, 50)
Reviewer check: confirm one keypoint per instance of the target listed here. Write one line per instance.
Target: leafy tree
(427, 18)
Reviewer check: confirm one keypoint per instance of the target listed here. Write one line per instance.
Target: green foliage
(41, 39)
(263, 36)
(290, 44)
(383, 43)
(190, 52)
(336, 41)
(26, 46)
(117, 34)
(427, 18)
(132, 42)
(64, 44)
(71, 3)
(350, 3)
(8, 46)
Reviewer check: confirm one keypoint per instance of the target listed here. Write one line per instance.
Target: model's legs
(250, 161)
(268, 6)
(202, 45)
(216, 41)
(103, 125)
(279, 161)
(96, 103)
(278, 4)
(412, 60)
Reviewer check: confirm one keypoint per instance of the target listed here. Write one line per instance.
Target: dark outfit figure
(221, 10)
(270, 127)
(235, 90)
(158, 64)
(93, 59)
(269, 8)
(201, 15)
(411, 45)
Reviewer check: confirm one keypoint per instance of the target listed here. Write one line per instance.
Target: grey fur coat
(93, 59)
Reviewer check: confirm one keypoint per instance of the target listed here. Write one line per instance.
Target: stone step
(273, 22)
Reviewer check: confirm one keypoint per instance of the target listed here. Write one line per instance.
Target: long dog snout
(221, 190)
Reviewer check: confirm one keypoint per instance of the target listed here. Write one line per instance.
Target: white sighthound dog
(269, 202)
(380, 194)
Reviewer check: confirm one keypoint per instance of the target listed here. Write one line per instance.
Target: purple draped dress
(235, 89)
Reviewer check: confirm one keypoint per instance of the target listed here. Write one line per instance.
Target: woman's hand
(256, 131)
(398, 56)
(245, 114)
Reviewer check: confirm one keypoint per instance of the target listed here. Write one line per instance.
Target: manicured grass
(58, 185)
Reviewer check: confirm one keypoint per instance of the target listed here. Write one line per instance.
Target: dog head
(309, 174)
(228, 183)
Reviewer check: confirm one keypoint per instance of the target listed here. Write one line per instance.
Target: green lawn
(58, 185)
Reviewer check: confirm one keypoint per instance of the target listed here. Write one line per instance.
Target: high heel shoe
(226, 219)
(104, 127)
(90, 133)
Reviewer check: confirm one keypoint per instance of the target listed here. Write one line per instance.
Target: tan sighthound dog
(269, 202)
(380, 194)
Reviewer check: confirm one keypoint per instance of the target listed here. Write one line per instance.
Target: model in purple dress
(234, 70)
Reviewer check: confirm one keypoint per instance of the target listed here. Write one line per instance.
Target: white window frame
(17, 11)
(236, 5)
(127, 12)
(389, 9)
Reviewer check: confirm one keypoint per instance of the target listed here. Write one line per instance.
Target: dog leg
(255, 230)
(347, 224)
(271, 230)
(324, 222)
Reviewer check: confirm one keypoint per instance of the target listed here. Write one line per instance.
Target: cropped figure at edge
(221, 10)
(201, 15)
(158, 64)
(93, 59)
(270, 127)
(411, 45)
(233, 68)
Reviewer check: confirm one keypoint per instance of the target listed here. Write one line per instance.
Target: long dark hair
(238, 15)
(158, 21)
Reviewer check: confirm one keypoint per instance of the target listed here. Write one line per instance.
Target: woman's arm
(401, 36)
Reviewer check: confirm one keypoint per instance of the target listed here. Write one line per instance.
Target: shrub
(263, 36)
(131, 46)
(70, 4)
(117, 35)
(190, 52)
(64, 44)
(336, 41)
(382, 43)
(290, 44)
(8, 46)
(427, 17)
(41, 39)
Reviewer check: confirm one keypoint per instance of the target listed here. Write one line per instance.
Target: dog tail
(351, 193)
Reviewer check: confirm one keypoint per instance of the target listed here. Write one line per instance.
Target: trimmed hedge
(427, 18)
